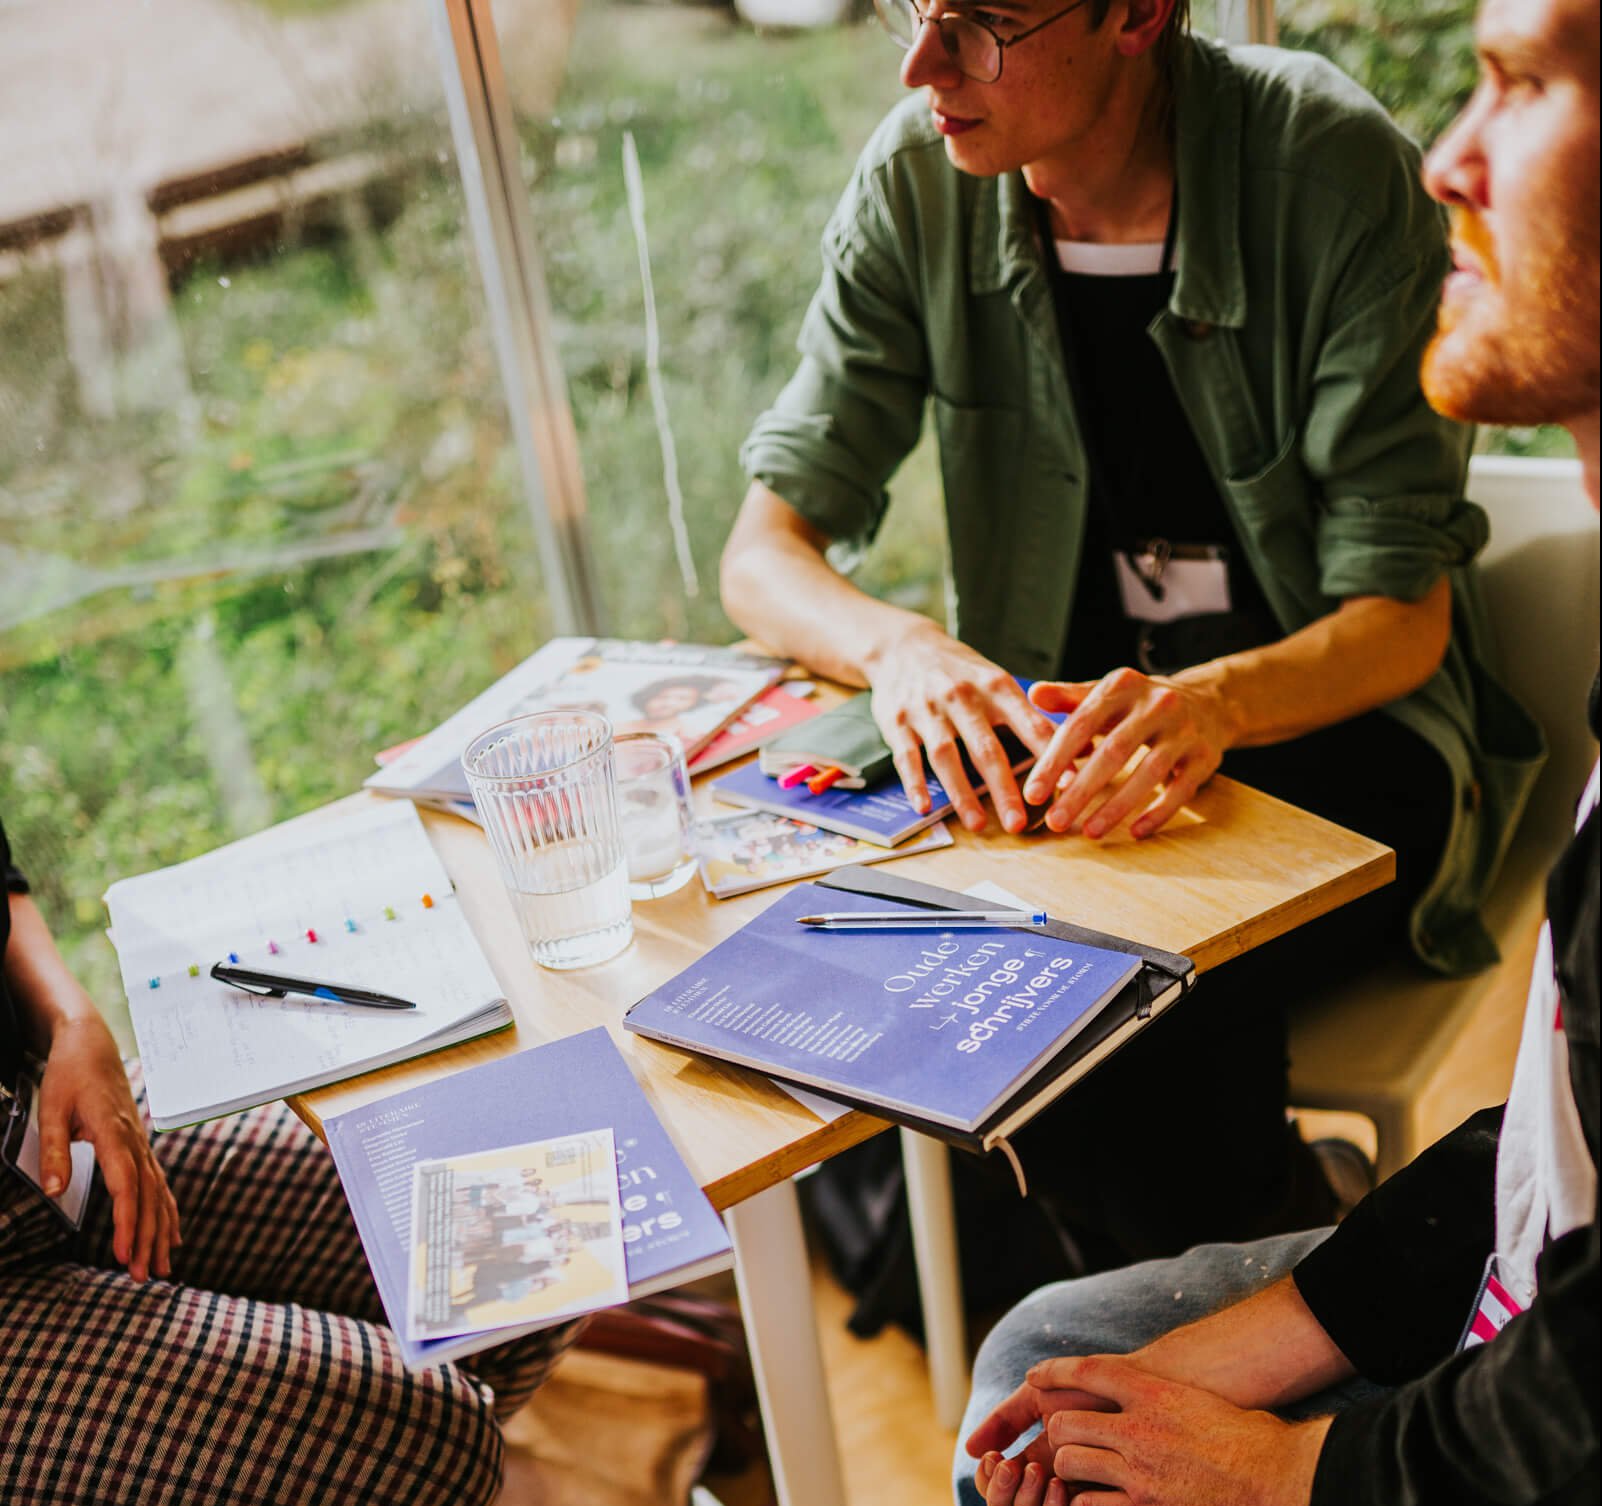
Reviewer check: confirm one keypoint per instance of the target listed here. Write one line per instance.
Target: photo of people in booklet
(755, 848)
(517, 1235)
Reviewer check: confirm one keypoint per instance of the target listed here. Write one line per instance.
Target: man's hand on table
(933, 694)
(1119, 1435)
(1185, 729)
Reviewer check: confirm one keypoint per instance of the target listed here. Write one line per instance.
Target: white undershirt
(1097, 259)
(1545, 1178)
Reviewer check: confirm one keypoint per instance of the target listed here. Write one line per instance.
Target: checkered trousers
(260, 1375)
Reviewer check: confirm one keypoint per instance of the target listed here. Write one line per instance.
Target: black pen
(276, 985)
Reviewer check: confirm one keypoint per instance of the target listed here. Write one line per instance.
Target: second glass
(546, 791)
(653, 795)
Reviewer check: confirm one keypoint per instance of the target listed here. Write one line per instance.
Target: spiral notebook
(360, 898)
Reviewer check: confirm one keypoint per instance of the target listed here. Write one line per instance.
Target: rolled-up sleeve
(1390, 469)
(853, 409)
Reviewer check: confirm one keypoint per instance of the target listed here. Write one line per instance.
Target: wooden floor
(891, 1448)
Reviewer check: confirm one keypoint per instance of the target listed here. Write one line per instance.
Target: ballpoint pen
(920, 920)
(275, 985)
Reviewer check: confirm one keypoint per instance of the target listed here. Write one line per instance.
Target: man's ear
(1143, 25)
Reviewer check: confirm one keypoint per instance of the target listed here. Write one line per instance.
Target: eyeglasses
(973, 46)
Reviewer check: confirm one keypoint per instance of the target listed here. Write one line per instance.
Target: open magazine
(687, 690)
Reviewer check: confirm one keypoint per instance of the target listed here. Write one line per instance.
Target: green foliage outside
(343, 394)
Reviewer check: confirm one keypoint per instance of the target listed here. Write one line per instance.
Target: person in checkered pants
(211, 1332)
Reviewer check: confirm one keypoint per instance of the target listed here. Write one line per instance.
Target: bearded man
(1442, 1344)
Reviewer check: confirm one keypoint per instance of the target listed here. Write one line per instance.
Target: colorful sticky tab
(790, 778)
(272, 946)
(233, 957)
(350, 925)
(389, 912)
(194, 969)
(428, 901)
(155, 982)
(821, 781)
(311, 935)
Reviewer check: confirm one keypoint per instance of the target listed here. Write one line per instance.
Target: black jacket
(1515, 1420)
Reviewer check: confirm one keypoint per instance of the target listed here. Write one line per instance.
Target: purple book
(942, 1026)
(671, 1233)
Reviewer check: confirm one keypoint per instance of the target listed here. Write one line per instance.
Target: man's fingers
(1106, 1375)
(907, 753)
(1097, 1498)
(1095, 1430)
(1090, 1466)
(1011, 1482)
(1047, 1402)
(1014, 1415)
(947, 765)
(1060, 695)
(121, 1177)
(1067, 743)
(145, 1235)
(174, 1225)
(55, 1140)
(995, 769)
(161, 1200)
(1182, 786)
(1135, 792)
(1019, 713)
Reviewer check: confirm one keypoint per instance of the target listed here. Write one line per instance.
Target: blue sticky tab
(350, 925)
(325, 993)
(155, 982)
(233, 957)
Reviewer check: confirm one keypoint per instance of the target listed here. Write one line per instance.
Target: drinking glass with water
(653, 795)
(546, 790)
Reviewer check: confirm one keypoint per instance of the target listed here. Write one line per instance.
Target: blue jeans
(1118, 1311)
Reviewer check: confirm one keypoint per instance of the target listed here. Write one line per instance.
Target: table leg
(927, 1162)
(775, 1283)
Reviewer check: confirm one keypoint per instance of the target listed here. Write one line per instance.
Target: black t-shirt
(10, 1027)
(1149, 479)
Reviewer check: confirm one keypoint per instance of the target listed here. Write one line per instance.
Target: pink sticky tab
(790, 778)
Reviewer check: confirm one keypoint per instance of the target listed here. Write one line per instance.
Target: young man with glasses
(1441, 1345)
(1166, 301)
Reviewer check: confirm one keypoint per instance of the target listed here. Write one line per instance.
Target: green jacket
(1309, 265)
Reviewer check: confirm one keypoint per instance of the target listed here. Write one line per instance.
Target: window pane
(259, 517)
(745, 142)
(1417, 58)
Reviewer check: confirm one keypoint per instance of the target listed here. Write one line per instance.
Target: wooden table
(1239, 869)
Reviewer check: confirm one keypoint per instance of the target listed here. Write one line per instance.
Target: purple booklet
(670, 1232)
(882, 815)
(943, 1026)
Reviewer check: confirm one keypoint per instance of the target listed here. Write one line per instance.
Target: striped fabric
(260, 1375)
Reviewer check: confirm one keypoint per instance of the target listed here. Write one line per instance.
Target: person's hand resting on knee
(85, 1095)
(1118, 1435)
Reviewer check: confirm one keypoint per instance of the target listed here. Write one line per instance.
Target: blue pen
(275, 985)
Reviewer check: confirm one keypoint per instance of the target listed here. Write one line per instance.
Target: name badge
(1162, 582)
(1495, 1307)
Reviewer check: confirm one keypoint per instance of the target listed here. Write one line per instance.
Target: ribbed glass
(546, 791)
